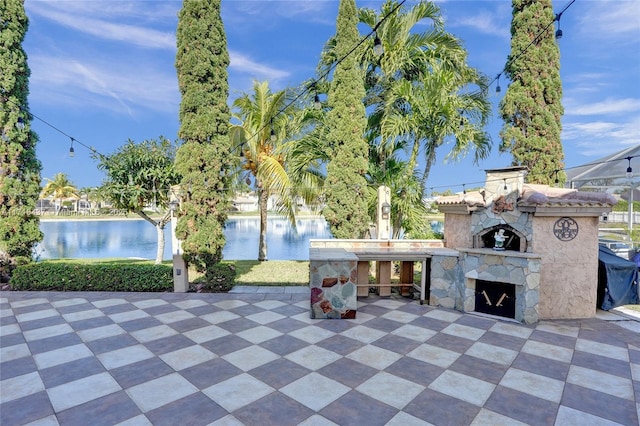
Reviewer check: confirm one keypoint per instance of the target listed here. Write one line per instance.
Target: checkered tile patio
(258, 359)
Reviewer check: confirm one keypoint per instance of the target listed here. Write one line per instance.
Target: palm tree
(61, 188)
(421, 94)
(263, 128)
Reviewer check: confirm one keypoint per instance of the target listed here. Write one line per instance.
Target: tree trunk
(263, 198)
(160, 250)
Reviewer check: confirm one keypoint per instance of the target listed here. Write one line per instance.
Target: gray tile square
(273, 409)
(194, 409)
(350, 406)
(27, 409)
(279, 373)
(104, 411)
(522, 407)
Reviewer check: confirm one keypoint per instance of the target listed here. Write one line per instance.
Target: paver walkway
(258, 359)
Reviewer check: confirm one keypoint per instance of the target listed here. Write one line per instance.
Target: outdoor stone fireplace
(524, 251)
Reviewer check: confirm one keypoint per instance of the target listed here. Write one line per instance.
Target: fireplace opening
(496, 298)
(513, 240)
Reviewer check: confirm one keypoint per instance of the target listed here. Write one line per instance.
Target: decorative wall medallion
(565, 229)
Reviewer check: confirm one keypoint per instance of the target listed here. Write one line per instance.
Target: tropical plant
(262, 123)
(346, 186)
(202, 160)
(532, 105)
(19, 166)
(422, 95)
(140, 177)
(60, 188)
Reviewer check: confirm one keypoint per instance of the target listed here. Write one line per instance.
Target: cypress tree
(203, 158)
(346, 201)
(532, 107)
(19, 166)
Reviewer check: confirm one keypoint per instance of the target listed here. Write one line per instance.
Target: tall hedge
(532, 106)
(202, 159)
(346, 185)
(19, 167)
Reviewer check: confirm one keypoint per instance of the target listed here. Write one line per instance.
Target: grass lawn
(272, 272)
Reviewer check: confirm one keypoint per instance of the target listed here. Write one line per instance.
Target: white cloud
(602, 137)
(124, 89)
(605, 107)
(80, 18)
(610, 19)
(255, 70)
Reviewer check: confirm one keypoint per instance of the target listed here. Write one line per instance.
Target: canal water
(68, 239)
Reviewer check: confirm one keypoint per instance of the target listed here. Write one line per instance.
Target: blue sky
(103, 72)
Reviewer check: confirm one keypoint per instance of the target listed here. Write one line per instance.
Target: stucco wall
(457, 231)
(569, 269)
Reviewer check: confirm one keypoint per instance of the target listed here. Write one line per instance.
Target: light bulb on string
(72, 151)
(378, 50)
(629, 169)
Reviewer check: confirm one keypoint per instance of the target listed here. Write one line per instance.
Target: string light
(378, 50)
(20, 124)
(532, 42)
(72, 151)
(558, 31)
(498, 89)
(629, 169)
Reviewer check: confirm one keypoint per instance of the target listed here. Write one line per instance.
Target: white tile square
(238, 391)
(492, 353)
(139, 420)
(317, 420)
(9, 353)
(265, 317)
(460, 386)
(6, 330)
(603, 349)
(313, 357)
(434, 355)
(602, 382)
(6, 312)
(399, 316)
(36, 315)
(443, 315)
(188, 304)
(28, 302)
(230, 304)
(390, 389)
(83, 390)
(511, 330)
(51, 420)
(312, 334)
(315, 391)
(259, 334)
(250, 357)
(363, 334)
(149, 303)
(220, 316)
(533, 384)
(108, 302)
(388, 303)
(154, 333)
(305, 317)
(487, 417)
(62, 355)
(562, 329)
(83, 315)
(175, 316)
(187, 357)
(206, 334)
(124, 356)
(545, 350)
(92, 334)
(362, 317)
(272, 304)
(374, 356)
(20, 386)
(412, 332)
(128, 316)
(464, 331)
(160, 391)
(68, 302)
(570, 416)
(405, 419)
(44, 332)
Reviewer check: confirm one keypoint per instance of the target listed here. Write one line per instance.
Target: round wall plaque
(565, 229)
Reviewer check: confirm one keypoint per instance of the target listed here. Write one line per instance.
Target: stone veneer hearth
(553, 257)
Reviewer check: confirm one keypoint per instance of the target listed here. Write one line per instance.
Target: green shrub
(218, 279)
(63, 276)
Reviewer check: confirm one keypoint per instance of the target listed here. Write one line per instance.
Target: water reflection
(137, 239)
